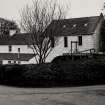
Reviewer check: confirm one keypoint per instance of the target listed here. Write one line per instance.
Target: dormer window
(85, 24)
(74, 25)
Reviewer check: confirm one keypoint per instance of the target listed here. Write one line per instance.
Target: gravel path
(89, 95)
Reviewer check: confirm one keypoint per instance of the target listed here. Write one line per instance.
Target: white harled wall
(23, 49)
(59, 49)
(12, 62)
(87, 43)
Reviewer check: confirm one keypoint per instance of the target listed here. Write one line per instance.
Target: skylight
(74, 25)
(85, 24)
(64, 26)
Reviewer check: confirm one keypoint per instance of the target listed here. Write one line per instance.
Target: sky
(10, 9)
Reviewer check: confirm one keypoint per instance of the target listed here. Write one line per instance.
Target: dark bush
(63, 73)
(80, 72)
(38, 75)
(11, 74)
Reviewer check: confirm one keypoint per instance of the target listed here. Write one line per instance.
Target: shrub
(68, 73)
(11, 74)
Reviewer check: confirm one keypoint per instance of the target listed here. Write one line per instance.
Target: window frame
(9, 62)
(80, 39)
(10, 48)
(19, 50)
(65, 41)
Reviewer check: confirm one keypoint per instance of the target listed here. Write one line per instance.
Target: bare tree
(35, 20)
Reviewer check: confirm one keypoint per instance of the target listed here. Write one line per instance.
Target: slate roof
(16, 56)
(64, 27)
(75, 26)
(17, 39)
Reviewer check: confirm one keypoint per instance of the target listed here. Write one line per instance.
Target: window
(19, 62)
(18, 49)
(9, 62)
(74, 25)
(85, 24)
(1, 62)
(10, 48)
(65, 42)
(52, 42)
(14, 62)
(80, 40)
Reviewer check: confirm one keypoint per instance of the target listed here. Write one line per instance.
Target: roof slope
(64, 27)
(17, 39)
(75, 26)
(16, 56)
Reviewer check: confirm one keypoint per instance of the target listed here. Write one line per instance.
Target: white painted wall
(23, 49)
(87, 43)
(4, 49)
(12, 62)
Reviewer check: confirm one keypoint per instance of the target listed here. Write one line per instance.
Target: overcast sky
(9, 9)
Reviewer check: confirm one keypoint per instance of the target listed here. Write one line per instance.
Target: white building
(77, 35)
(15, 50)
(74, 35)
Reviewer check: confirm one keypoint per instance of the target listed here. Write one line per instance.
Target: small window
(74, 25)
(65, 42)
(85, 24)
(10, 48)
(80, 40)
(14, 62)
(19, 62)
(52, 42)
(18, 49)
(9, 62)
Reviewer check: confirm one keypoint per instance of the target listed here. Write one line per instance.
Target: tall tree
(6, 26)
(35, 20)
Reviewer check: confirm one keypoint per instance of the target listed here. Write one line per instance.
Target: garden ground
(86, 95)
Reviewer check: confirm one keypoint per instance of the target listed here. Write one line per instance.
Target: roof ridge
(67, 26)
(77, 18)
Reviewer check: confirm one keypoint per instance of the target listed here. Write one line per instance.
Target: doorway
(74, 47)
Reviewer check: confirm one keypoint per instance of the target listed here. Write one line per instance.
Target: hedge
(68, 73)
